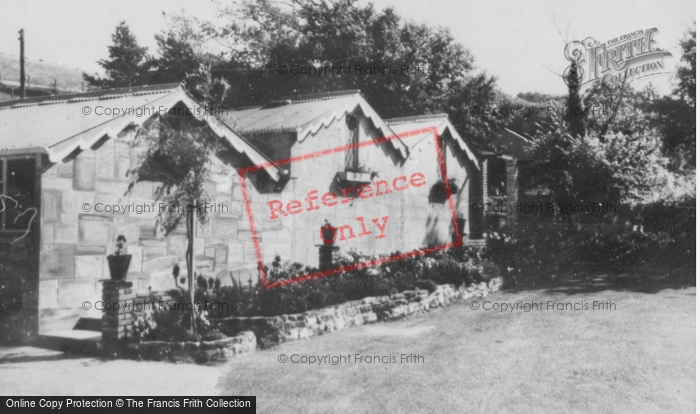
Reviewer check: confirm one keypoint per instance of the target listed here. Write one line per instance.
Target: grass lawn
(639, 357)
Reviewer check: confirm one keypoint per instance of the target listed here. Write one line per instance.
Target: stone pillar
(512, 190)
(327, 256)
(116, 321)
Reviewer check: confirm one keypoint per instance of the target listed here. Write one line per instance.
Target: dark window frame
(352, 159)
(4, 160)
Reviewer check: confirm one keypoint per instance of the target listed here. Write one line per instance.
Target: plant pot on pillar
(118, 262)
(326, 250)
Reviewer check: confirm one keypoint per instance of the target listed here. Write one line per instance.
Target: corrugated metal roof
(43, 122)
(515, 145)
(58, 125)
(439, 121)
(306, 114)
(93, 95)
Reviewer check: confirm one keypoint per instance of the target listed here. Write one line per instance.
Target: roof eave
(114, 126)
(314, 126)
(23, 151)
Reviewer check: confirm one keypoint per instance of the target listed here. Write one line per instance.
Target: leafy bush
(456, 266)
(428, 285)
(625, 251)
(546, 253)
(173, 323)
(543, 255)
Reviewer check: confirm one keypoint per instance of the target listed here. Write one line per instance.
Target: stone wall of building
(78, 231)
(413, 222)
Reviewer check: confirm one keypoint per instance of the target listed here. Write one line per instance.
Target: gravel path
(35, 371)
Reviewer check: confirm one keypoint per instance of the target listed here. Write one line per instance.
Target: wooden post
(512, 190)
(190, 262)
(22, 88)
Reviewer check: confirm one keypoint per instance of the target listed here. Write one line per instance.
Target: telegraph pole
(22, 89)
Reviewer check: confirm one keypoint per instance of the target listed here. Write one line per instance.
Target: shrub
(173, 323)
(545, 254)
(457, 266)
(428, 285)
(625, 251)
(213, 336)
(489, 271)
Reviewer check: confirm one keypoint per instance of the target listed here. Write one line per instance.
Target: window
(17, 184)
(352, 155)
(496, 177)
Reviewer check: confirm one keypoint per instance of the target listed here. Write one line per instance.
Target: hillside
(40, 74)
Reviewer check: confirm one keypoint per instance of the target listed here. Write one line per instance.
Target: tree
(676, 120)
(181, 50)
(686, 71)
(615, 168)
(574, 115)
(128, 63)
(529, 113)
(262, 35)
(675, 115)
(617, 108)
(179, 156)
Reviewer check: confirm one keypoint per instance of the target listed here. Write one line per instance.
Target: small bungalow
(503, 178)
(462, 169)
(352, 137)
(64, 162)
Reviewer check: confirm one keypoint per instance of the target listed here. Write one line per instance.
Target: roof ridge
(325, 95)
(102, 94)
(303, 99)
(417, 118)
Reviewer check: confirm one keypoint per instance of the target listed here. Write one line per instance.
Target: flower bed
(271, 316)
(458, 267)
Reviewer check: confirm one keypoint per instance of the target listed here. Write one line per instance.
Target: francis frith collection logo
(624, 59)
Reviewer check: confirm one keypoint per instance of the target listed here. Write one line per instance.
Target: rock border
(219, 350)
(271, 331)
(246, 334)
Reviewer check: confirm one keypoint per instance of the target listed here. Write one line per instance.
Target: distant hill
(40, 75)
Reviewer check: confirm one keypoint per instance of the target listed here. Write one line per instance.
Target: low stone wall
(201, 352)
(277, 329)
(118, 325)
(244, 334)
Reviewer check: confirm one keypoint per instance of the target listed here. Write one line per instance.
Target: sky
(519, 42)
